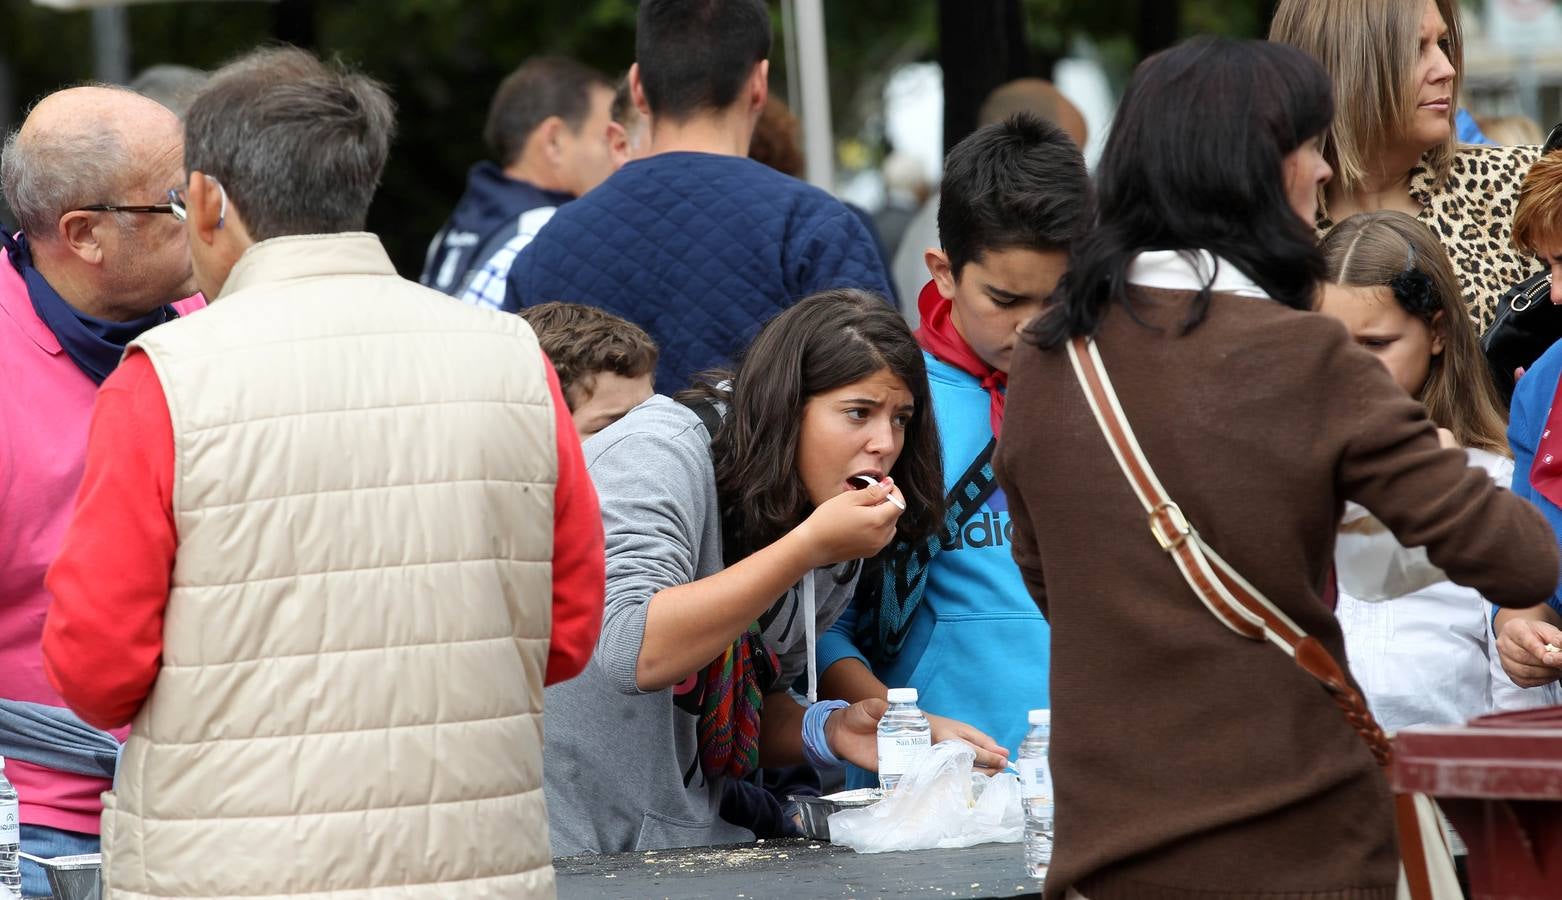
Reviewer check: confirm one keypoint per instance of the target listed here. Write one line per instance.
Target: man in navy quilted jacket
(696, 243)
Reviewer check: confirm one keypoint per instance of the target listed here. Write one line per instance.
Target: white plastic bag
(938, 804)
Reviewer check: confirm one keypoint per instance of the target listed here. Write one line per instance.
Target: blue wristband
(816, 748)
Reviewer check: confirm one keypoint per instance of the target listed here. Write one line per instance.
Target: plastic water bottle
(10, 840)
(1036, 792)
(904, 737)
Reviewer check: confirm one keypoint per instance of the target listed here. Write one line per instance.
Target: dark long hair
(1194, 162)
(824, 342)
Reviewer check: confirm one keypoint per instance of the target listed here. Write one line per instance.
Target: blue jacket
(1531, 407)
(698, 249)
(978, 649)
(492, 203)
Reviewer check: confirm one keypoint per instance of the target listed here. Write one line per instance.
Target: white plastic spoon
(868, 481)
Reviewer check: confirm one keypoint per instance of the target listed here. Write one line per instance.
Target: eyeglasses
(161, 208)
(179, 207)
(1553, 140)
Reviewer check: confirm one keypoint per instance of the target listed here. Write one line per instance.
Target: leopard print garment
(1473, 215)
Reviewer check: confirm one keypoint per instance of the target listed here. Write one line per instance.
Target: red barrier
(1499, 781)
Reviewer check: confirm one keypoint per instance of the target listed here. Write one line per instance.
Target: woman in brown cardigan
(1189, 762)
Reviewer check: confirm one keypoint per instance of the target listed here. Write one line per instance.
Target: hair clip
(1413, 288)
(1414, 291)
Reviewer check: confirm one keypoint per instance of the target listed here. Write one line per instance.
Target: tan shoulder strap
(1226, 594)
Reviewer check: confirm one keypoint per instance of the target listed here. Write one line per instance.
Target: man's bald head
(1038, 98)
(84, 146)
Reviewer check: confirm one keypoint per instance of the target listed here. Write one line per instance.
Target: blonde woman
(1396, 67)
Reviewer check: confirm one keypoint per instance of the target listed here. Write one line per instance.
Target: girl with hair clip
(1191, 758)
(1397, 70)
(736, 520)
(1427, 657)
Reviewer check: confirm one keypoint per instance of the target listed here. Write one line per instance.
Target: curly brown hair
(583, 341)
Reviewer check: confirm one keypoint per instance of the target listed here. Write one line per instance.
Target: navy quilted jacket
(699, 250)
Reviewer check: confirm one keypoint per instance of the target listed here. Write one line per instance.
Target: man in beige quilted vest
(334, 536)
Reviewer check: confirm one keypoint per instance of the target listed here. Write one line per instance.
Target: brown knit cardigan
(1190, 762)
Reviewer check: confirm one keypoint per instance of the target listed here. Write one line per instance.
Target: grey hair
(171, 85)
(299, 145)
(53, 171)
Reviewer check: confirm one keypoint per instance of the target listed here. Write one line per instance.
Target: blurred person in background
(1397, 70)
(1509, 131)
(1022, 95)
(549, 127)
(905, 190)
(172, 85)
(631, 130)
(99, 261)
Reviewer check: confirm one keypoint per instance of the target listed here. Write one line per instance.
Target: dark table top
(795, 870)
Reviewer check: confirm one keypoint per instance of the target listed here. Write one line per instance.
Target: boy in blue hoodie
(954, 620)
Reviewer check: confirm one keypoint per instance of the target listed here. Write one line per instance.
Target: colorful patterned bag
(735, 686)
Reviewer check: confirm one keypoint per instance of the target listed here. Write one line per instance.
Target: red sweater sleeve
(579, 566)
(103, 638)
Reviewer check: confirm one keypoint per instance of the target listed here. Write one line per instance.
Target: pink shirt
(44, 412)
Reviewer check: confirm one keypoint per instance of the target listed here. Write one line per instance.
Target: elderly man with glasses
(98, 261)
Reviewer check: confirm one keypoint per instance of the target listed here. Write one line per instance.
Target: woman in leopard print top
(1407, 157)
(1472, 213)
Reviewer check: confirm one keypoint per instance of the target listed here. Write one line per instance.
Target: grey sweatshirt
(621, 768)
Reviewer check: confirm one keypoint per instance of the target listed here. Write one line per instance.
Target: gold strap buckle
(1173, 530)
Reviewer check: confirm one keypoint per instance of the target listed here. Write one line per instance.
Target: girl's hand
(851, 525)
(853, 735)
(853, 732)
(990, 758)
(1521, 646)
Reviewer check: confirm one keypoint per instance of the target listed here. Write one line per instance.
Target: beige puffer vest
(350, 703)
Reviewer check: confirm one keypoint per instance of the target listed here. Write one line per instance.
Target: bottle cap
(1040, 717)
(902, 695)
